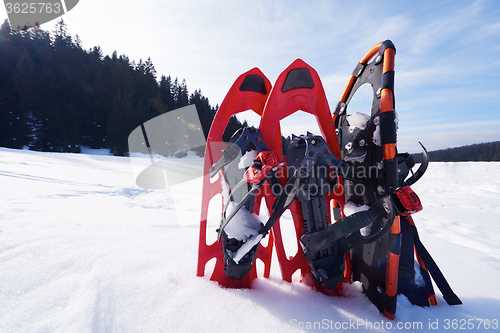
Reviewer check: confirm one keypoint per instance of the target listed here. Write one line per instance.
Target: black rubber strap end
(452, 299)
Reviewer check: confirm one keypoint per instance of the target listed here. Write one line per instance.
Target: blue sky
(447, 63)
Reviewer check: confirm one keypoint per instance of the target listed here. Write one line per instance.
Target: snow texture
(351, 208)
(243, 225)
(247, 159)
(357, 120)
(419, 278)
(83, 249)
(358, 159)
(376, 134)
(245, 248)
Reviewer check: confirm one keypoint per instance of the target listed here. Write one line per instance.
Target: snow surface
(376, 134)
(351, 208)
(83, 249)
(243, 225)
(357, 120)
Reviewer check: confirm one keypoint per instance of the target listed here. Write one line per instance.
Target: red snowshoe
(249, 92)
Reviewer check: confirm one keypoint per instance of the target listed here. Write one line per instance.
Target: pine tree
(56, 96)
(23, 84)
(120, 124)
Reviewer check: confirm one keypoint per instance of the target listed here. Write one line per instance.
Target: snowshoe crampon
(347, 189)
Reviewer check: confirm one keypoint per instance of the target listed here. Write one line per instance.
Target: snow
(82, 249)
(247, 159)
(376, 134)
(248, 224)
(245, 248)
(91, 151)
(419, 279)
(357, 120)
(351, 208)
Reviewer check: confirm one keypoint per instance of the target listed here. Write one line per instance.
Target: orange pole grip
(370, 54)
(389, 151)
(391, 284)
(348, 88)
(386, 100)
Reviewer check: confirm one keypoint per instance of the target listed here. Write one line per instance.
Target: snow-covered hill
(83, 249)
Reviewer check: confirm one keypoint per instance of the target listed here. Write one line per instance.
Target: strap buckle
(263, 164)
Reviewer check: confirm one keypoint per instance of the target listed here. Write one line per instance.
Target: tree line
(479, 152)
(57, 96)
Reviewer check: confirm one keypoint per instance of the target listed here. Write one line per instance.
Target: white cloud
(447, 139)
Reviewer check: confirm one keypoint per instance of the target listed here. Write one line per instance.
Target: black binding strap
(285, 199)
(316, 148)
(421, 169)
(381, 215)
(339, 229)
(449, 296)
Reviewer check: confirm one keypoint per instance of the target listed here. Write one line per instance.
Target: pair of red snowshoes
(347, 189)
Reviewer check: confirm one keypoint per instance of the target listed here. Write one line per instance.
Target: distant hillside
(480, 152)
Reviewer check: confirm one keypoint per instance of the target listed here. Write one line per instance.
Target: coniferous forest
(56, 96)
(483, 152)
